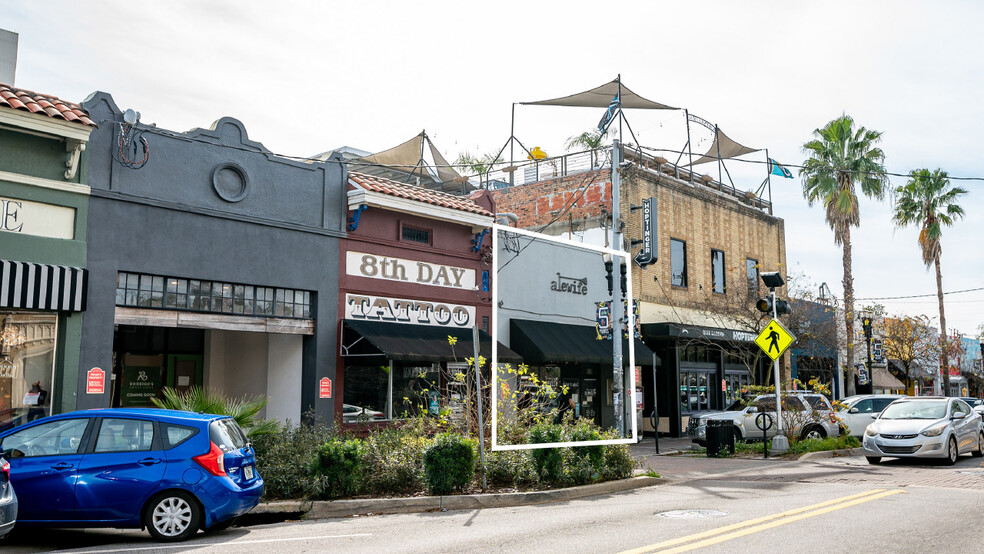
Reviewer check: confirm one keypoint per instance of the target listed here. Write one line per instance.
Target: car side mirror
(958, 416)
(853, 411)
(874, 416)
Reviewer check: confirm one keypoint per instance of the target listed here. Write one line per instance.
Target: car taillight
(213, 461)
(833, 418)
(5, 469)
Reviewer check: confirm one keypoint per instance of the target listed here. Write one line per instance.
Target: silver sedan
(924, 427)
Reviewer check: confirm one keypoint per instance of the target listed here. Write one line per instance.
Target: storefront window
(366, 391)
(27, 356)
(416, 390)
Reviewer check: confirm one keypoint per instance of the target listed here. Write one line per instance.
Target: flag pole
(768, 168)
(619, 107)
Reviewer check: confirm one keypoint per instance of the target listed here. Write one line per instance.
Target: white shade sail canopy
(601, 97)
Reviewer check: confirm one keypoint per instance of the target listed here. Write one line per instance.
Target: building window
(752, 272)
(27, 367)
(397, 391)
(678, 263)
(415, 234)
(717, 271)
(173, 293)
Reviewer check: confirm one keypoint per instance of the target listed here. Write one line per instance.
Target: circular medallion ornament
(230, 182)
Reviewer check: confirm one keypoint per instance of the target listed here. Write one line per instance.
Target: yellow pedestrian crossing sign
(774, 339)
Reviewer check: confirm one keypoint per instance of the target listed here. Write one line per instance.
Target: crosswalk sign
(774, 339)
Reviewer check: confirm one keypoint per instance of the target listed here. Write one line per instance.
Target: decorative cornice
(74, 188)
(59, 128)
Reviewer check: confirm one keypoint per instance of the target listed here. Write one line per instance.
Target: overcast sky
(306, 77)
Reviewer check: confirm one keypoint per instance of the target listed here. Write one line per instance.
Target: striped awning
(42, 287)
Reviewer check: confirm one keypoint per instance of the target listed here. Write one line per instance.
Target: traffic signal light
(866, 325)
(765, 305)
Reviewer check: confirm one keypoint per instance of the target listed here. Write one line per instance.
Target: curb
(353, 507)
(830, 454)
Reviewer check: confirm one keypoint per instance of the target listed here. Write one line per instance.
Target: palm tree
(928, 201)
(840, 156)
(588, 140)
(481, 165)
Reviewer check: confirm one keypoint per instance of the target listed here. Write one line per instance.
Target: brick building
(696, 301)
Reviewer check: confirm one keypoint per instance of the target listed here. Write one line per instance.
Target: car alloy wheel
(173, 516)
(980, 446)
(814, 433)
(951, 452)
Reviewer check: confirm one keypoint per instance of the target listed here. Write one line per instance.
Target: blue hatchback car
(170, 472)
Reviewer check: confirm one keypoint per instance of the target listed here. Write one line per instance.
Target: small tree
(910, 344)
(200, 400)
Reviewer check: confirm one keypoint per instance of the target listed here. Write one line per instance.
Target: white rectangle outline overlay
(495, 339)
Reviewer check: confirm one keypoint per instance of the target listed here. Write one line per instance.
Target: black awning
(417, 343)
(545, 342)
(42, 287)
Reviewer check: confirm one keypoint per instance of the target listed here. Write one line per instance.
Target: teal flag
(775, 168)
(609, 114)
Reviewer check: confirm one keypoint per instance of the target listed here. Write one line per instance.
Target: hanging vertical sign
(325, 387)
(649, 254)
(603, 320)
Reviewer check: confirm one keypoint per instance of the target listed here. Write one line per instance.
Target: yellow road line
(773, 518)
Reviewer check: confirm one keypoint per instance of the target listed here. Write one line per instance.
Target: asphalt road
(841, 504)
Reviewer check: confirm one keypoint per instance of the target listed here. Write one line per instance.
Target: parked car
(8, 499)
(856, 412)
(352, 414)
(820, 419)
(170, 472)
(924, 427)
(971, 401)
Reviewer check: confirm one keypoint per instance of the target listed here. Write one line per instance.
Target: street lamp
(866, 326)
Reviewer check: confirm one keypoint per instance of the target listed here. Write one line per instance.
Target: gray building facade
(212, 262)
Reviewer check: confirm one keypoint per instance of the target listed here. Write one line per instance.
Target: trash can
(720, 436)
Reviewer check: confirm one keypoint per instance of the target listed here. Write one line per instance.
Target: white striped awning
(42, 287)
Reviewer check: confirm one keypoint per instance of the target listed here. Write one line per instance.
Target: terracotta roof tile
(20, 99)
(419, 194)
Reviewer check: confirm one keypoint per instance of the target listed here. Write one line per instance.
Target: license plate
(248, 472)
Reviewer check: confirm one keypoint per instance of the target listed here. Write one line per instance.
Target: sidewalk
(674, 463)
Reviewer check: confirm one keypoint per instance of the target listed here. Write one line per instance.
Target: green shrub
(509, 468)
(284, 458)
(337, 469)
(393, 461)
(619, 463)
(585, 430)
(549, 462)
(449, 463)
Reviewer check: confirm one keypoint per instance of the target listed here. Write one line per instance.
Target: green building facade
(43, 220)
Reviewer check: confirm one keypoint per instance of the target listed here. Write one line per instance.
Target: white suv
(819, 420)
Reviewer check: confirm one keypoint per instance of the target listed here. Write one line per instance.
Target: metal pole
(690, 152)
(779, 444)
(871, 375)
(768, 168)
(512, 134)
(655, 411)
(617, 310)
(478, 386)
(718, 143)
